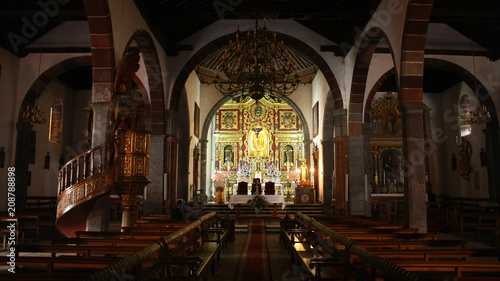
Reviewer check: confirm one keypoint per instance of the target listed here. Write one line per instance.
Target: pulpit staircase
(121, 165)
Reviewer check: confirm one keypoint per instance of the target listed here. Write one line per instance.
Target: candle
(145, 193)
(346, 187)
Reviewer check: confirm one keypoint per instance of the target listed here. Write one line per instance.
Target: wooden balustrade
(86, 165)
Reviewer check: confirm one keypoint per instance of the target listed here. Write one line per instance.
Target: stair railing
(87, 164)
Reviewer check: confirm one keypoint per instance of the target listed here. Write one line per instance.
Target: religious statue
(464, 153)
(258, 142)
(303, 170)
(464, 167)
(390, 125)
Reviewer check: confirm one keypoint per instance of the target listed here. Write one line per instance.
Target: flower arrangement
(219, 176)
(293, 175)
(306, 182)
(243, 179)
(258, 202)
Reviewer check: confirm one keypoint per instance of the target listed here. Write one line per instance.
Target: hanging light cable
(479, 114)
(33, 115)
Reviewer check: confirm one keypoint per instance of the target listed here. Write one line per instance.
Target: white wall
(192, 87)
(450, 182)
(320, 90)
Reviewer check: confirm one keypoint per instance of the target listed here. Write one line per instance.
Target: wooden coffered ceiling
(172, 21)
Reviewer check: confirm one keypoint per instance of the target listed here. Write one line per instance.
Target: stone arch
(363, 59)
(463, 74)
(412, 50)
(388, 74)
(24, 140)
(211, 115)
(48, 76)
(224, 40)
(101, 40)
(150, 56)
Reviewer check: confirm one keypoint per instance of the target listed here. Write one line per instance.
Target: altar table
(243, 199)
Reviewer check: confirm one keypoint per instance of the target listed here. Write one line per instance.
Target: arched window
(465, 126)
(56, 116)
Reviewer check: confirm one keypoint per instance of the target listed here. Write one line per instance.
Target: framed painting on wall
(196, 120)
(315, 120)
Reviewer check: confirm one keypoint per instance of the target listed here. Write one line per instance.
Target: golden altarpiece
(386, 144)
(261, 139)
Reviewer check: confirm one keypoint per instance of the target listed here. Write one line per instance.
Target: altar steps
(308, 209)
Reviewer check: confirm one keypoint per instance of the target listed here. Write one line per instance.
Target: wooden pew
(195, 247)
(435, 257)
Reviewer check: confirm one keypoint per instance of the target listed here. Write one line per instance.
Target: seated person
(198, 212)
(181, 211)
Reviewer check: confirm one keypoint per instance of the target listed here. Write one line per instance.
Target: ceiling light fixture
(255, 64)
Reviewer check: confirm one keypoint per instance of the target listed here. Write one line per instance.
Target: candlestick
(366, 187)
(333, 184)
(312, 176)
(165, 186)
(346, 187)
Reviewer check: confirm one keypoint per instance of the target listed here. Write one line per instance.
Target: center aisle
(234, 258)
(254, 263)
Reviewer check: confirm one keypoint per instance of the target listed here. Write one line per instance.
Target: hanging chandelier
(478, 115)
(255, 64)
(33, 115)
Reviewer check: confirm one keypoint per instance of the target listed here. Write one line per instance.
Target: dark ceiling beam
(446, 15)
(245, 11)
(63, 15)
(444, 52)
(55, 50)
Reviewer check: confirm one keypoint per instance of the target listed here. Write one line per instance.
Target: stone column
(101, 129)
(414, 165)
(493, 162)
(98, 219)
(340, 156)
(25, 151)
(328, 168)
(128, 202)
(203, 169)
(358, 147)
(154, 202)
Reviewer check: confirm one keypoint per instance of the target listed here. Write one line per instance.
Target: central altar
(243, 199)
(257, 140)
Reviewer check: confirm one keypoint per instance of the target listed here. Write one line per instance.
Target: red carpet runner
(254, 261)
